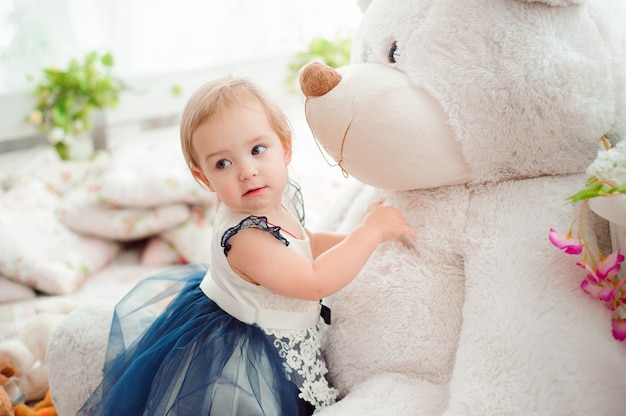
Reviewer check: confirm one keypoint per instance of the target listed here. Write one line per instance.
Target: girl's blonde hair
(215, 97)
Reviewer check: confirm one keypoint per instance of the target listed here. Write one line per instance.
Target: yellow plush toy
(44, 408)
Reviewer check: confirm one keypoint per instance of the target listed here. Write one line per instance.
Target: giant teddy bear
(476, 118)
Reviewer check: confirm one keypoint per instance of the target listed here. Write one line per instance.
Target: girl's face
(242, 159)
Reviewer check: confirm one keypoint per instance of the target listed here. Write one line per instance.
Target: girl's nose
(248, 172)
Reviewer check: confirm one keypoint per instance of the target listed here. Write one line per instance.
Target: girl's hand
(388, 221)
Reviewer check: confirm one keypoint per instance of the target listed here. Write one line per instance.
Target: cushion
(192, 239)
(37, 250)
(82, 211)
(11, 291)
(148, 172)
(45, 166)
(159, 252)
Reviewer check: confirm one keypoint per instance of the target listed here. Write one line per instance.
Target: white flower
(610, 164)
(56, 135)
(78, 126)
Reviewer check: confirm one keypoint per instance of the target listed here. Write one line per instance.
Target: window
(155, 43)
(157, 36)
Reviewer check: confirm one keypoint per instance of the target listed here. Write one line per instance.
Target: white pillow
(11, 291)
(192, 239)
(45, 166)
(81, 211)
(36, 249)
(143, 188)
(147, 172)
(159, 252)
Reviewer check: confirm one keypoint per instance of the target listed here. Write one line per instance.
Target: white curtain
(156, 36)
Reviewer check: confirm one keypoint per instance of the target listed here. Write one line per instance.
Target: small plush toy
(26, 353)
(6, 401)
(45, 407)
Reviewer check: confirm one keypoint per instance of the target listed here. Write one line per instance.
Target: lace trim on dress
(252, 222)
(303, 364)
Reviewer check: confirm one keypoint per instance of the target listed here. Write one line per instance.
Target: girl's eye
(222, 164)
(258, 149)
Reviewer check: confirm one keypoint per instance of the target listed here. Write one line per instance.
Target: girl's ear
(287, 149)
(199, 175)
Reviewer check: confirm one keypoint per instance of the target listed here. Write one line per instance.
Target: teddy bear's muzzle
(399, 138)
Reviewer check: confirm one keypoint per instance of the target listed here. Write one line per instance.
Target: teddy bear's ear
(363, 4)
(557, 2)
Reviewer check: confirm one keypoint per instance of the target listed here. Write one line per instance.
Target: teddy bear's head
(449, 92)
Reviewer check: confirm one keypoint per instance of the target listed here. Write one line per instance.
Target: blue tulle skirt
(173, 351)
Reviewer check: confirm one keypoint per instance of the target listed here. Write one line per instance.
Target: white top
(293, 323)
(248, 302)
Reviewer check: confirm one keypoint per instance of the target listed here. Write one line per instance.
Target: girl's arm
(257, 256)
(320, 242)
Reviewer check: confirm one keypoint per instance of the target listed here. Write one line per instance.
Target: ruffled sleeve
(251, 222)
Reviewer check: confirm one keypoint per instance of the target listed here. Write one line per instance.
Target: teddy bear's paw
(391, 395)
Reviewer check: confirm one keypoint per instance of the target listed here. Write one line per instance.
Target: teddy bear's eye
(392, 52)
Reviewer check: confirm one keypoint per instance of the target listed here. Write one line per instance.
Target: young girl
(241, 337)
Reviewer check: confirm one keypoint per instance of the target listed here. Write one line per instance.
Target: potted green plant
(332, 52)
(66, 99)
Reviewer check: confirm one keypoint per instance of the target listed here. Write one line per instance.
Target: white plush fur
(76, 354)
(479, 315)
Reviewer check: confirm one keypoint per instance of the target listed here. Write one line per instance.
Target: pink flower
(601, 281)
(598, 290)
(619, 329)
(592, 289)
(565, 242)
(591, 273)
(608, 295)
(609, 266)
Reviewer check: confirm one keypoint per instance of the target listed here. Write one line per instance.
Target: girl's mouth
(254, 192)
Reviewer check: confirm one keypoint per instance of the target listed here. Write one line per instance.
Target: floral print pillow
(11, 291)
(141, 188)
(192, 239)
(149, 172)
(45, 166)
(37, 250)
(82, 211)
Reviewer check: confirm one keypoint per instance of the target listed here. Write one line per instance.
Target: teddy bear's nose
(316, 79)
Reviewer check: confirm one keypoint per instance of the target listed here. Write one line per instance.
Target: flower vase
(80, 146)
(83, 145)
(613, 209)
